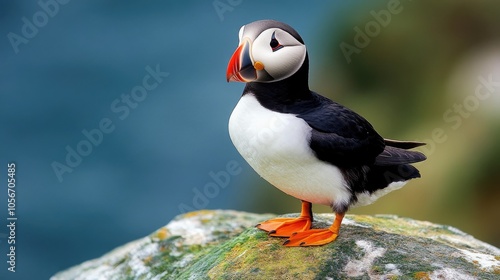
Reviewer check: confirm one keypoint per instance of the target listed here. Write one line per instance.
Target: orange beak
(240, 67)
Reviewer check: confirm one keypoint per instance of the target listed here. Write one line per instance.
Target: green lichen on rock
(226, 245)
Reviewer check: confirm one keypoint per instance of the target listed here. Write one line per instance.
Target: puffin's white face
(272, 55)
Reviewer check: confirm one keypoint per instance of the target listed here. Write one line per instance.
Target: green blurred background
(416, 79)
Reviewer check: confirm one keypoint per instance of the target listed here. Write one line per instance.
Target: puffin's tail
(403, 144)
(394, 164)
(396, 153)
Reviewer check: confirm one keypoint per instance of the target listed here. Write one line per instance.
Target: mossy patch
(254, 253)
(422, 275)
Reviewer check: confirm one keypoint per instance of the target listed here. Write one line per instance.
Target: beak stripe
(240, 67)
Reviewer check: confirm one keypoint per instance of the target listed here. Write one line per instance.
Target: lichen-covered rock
(225, 245)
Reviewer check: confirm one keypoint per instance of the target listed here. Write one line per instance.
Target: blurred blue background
(84, 56)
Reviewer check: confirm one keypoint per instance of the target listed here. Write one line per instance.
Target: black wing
(340, 136)
(344, 138)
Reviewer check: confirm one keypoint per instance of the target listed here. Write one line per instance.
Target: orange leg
(315, 237)
(285, 227)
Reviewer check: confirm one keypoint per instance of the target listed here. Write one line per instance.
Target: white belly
(276, 145)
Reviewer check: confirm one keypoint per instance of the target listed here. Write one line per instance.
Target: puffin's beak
(240, 67)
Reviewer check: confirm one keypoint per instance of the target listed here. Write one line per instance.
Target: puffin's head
(268, 51)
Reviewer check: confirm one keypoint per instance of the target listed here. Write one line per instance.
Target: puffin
(303, 143)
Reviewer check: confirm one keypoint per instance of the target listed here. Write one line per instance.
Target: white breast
(276, 145)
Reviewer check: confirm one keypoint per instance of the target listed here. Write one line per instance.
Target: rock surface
(225, 245)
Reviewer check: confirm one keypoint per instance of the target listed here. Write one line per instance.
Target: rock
(226, 245)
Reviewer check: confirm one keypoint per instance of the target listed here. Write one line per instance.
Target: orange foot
(315, 237)
(285, 227)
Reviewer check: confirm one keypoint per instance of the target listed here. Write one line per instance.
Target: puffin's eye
(275, 45)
